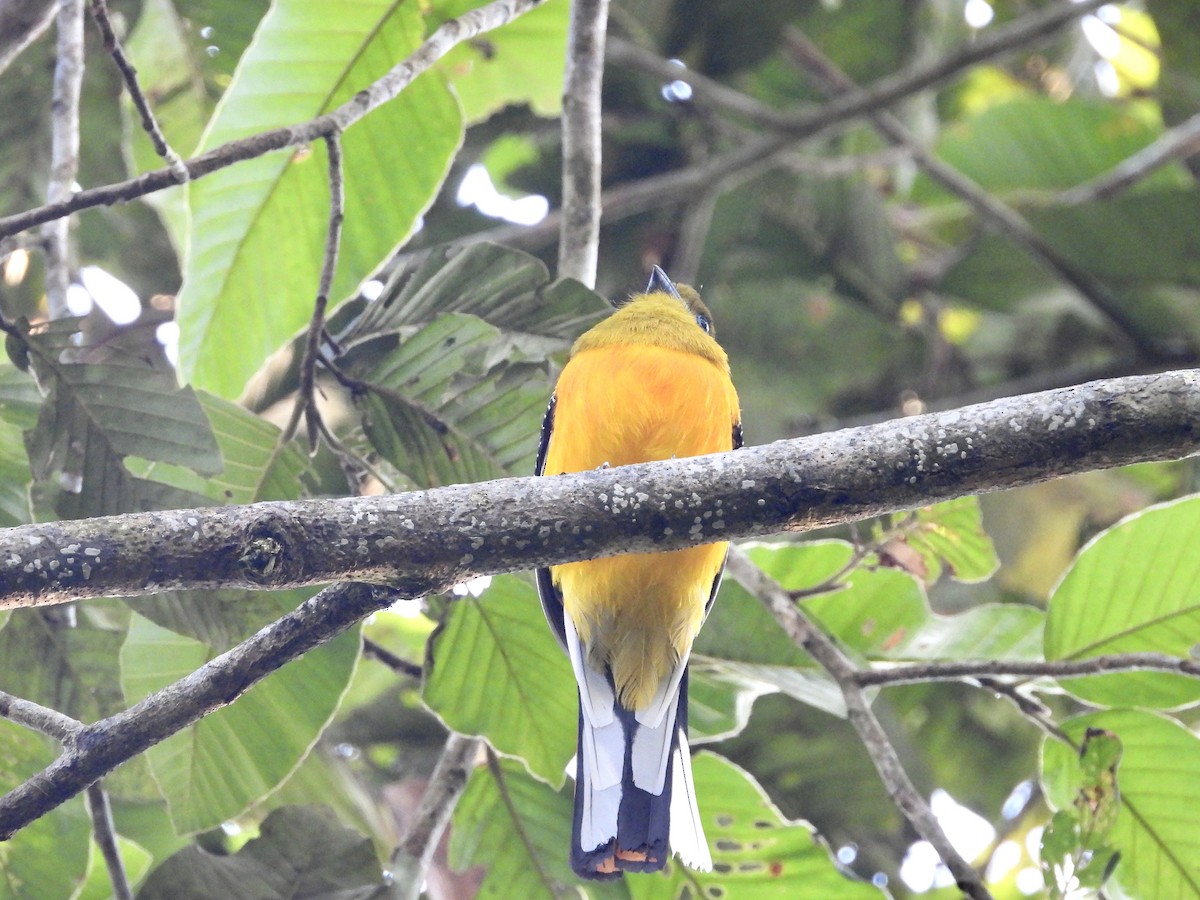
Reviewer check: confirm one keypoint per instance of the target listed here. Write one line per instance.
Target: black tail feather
(642, 842)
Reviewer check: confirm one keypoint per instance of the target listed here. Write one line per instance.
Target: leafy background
(848, 287)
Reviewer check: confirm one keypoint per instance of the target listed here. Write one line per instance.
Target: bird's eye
(702, 321)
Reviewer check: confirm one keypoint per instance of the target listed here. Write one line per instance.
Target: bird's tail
(634, 797)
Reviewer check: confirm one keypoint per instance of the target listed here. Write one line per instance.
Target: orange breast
(626, 404)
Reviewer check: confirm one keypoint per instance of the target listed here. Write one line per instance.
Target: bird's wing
(551, 597)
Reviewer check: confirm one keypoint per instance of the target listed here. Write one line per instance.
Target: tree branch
(424, 542)
(887, 762)
(129, 74)
(445, 38)
(427, 541)
(39, 718)
(64, 152)
(105, 835)
(306, 401)
(1173, 145)
(994, 212)
(579, 239)
(411, 859)
(21, 23)
(626, 201)
(99, 747)
(914, 673)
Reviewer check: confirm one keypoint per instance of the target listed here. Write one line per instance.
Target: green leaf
(1134, 588)
(67, 666)
(495, 670)
(1154, 828)
(521, 830)
(301, 851)
(216, 768)
(97, 414)
(740, 628)
(97, 884)
(507, 288)
(256, 467)
(452, 403)
(988, 631)
(258, 228)
(15, 477)
(1034, 142)
(46, 858)
(720, 697)
(182, 78)
(949, 535)
(875, 614)
(756, 851)
(519, 63)
(745, 682)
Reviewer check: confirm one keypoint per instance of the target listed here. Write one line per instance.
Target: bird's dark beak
(661, 283)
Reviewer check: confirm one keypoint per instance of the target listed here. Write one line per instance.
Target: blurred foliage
(849, 285)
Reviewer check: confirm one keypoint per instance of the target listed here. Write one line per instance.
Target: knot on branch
(268, 554)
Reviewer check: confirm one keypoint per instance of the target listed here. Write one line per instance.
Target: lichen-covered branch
(579, 238)
(426, 541)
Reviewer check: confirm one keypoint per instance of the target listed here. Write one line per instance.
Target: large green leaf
(1134, 588)
(495, 670)
(740, 628)
(756, 851)
(521, 830)
(97, 884)
(505, 287)
(46, 858)
(1159, 794)
(257, 466)
(213, 770)
(301, 851)
(453, 402)
(519, 63)
(15, 477)
(258, 228)
(1036, 143)
(67, 666)
(97, 414)
(184, 59)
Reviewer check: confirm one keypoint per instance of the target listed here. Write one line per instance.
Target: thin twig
(23, 23)
(991, 210)
(579, 240)
(626, 54)
(41, 719)
(306, 401)
(397, 664)
(95, 749)
(914, 673)
(64, 152)
(622, 202)
(1030, 707)
(887, 762)
(1173, 145)
(447, 36)
(1030, 29)
(129, 74)
(105, 835)
(411, 859)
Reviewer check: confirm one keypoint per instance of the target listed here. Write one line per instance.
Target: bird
(649, 382)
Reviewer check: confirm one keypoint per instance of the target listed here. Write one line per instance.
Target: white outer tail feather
(602, 754)
(687, 832)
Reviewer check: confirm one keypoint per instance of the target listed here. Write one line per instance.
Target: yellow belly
(637, 613)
